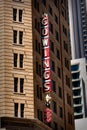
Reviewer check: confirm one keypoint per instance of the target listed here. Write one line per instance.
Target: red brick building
(22, 100)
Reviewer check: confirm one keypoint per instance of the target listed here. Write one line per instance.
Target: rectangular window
(40, 114)
(52, 46)
(59, 72)
(44, 2)
(64, 30)
(17, 15)
(37, 68)
(39, 92)
(14, 36)
(55, 2)
(54, 107)
(36, 5)
(56, 19)
(57, 35)
(51, 27)
(14, 14)
(65, 46)
(68, 117)
(21, 110)
(66, 63)
(53, 65)
(35, 23)
(55, 126)
(58, 54)
(21, 85)
(50, 10)
(20, 15)
(53, 86)
(20, 37)
(15, 59)
(68, 99)
(21, 60)
(67, 81)
(16, 109)
(60, 92)
(38, 46)
(60, 112)
(15, 84)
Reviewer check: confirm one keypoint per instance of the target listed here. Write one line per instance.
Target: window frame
(16, 109)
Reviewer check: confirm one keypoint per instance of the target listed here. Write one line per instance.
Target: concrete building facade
(21, 78)
(79, 78)
(78, 28)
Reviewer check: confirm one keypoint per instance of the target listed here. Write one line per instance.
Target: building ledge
(24, 124)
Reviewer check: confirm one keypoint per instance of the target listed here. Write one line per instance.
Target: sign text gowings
(47, 86)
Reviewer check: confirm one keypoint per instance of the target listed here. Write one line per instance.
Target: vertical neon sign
(47, 86)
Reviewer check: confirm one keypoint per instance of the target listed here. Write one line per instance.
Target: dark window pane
(51, 27)
(40, 70)
(58, 54)
(66, 46)
(22, 110)
(52, 46)
(60, 92)
(44, 2)
(16, 109)
(75, 67)
(68, 99)
(14, 36)
(53, 65)
(15, 59)
(20, 37)
(37, 70)
(38, 91)
(55, 2)
(59, 72)
(14, 14)
(36, 45)
(39, 114)
(50, 10)
(35, 3)
(67, 81)
(21, 60)
(36, 24)
(56, 19)
(53, 85)
(15, 84)
(20, 15)
(55, 126)
(61, 112)
(38, 6)
(54, 107)
(57, 36)
(21, 85)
